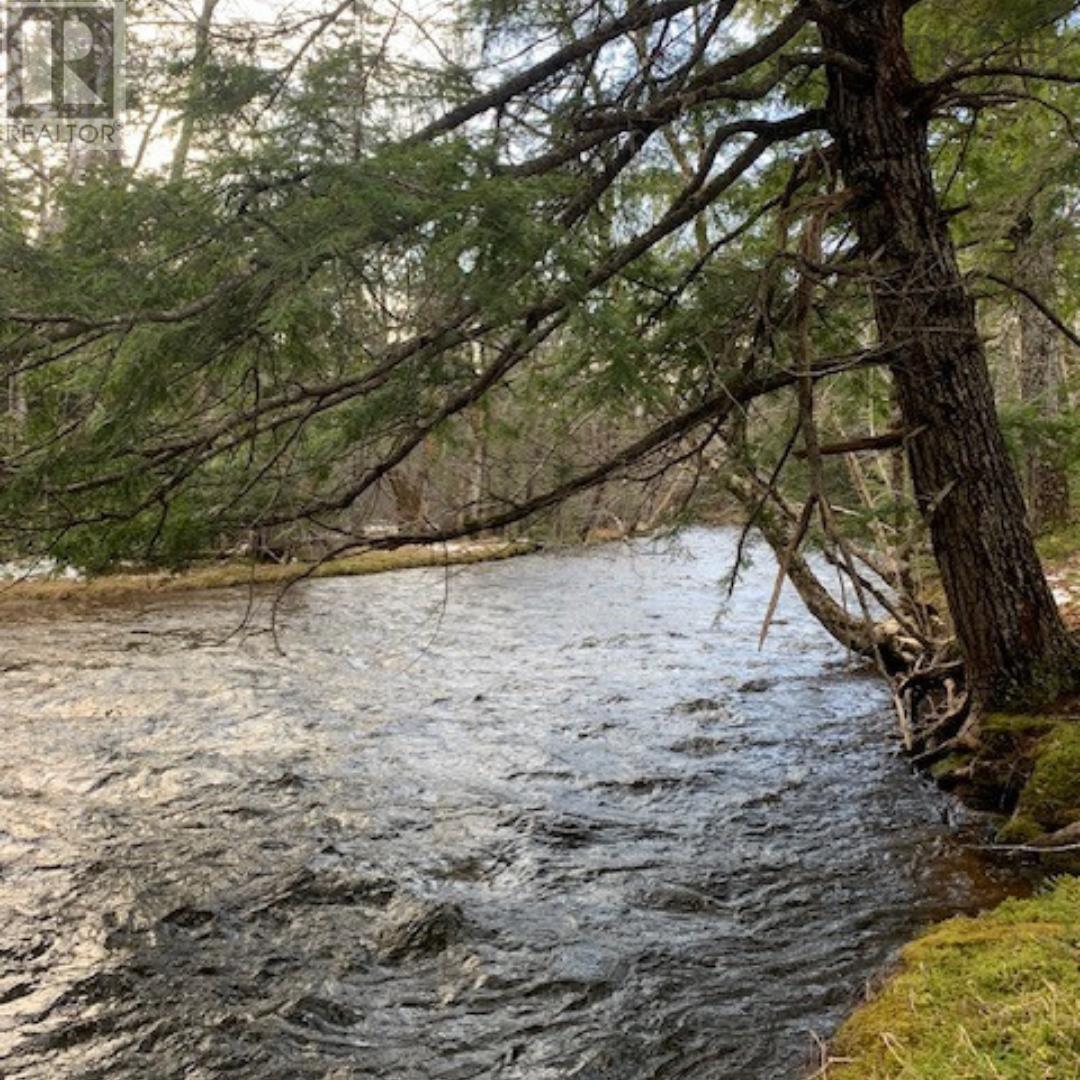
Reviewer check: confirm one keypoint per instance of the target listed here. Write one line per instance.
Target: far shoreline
(52, 594)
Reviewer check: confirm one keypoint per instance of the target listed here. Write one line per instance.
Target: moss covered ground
(1049, 799)
(995, 997)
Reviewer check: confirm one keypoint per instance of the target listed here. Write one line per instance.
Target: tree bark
(1016, 648)
(1040, 379)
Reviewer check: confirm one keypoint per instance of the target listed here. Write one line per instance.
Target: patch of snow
(37, 569)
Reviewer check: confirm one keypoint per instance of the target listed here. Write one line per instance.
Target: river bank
(122, 588)
(996, 995)
(1025, 766)
(993, 996)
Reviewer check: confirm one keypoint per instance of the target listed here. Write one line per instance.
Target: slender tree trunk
(1040, 380)
(1015, 645)
(198, 71)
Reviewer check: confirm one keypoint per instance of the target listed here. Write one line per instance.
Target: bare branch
(1035, 300)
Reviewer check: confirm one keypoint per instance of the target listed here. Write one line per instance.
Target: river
(548, 818)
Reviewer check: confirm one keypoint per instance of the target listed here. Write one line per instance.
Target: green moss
(1052, 794)
(995, 996)
(1019, 829)
(1039, 758)
(1017, 724)
(947, 766)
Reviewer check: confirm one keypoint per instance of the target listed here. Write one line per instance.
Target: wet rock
(677, 899)
(699, 705)
(188, 918)
(756, 686)
(643, 785)
(698, 746)
(340, 887)
(615, 1062)
(414, 927)
(310, 888)
(314, 1011)
(565, 831)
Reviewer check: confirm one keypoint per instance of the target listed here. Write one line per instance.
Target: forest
(300, 290)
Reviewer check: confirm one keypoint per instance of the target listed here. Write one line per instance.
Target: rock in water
(414, 927)
(756, 686)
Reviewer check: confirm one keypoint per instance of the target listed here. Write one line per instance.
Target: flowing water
(554, 817)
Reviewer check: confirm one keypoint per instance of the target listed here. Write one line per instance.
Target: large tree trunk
(1015, 645)
(1040, 378)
